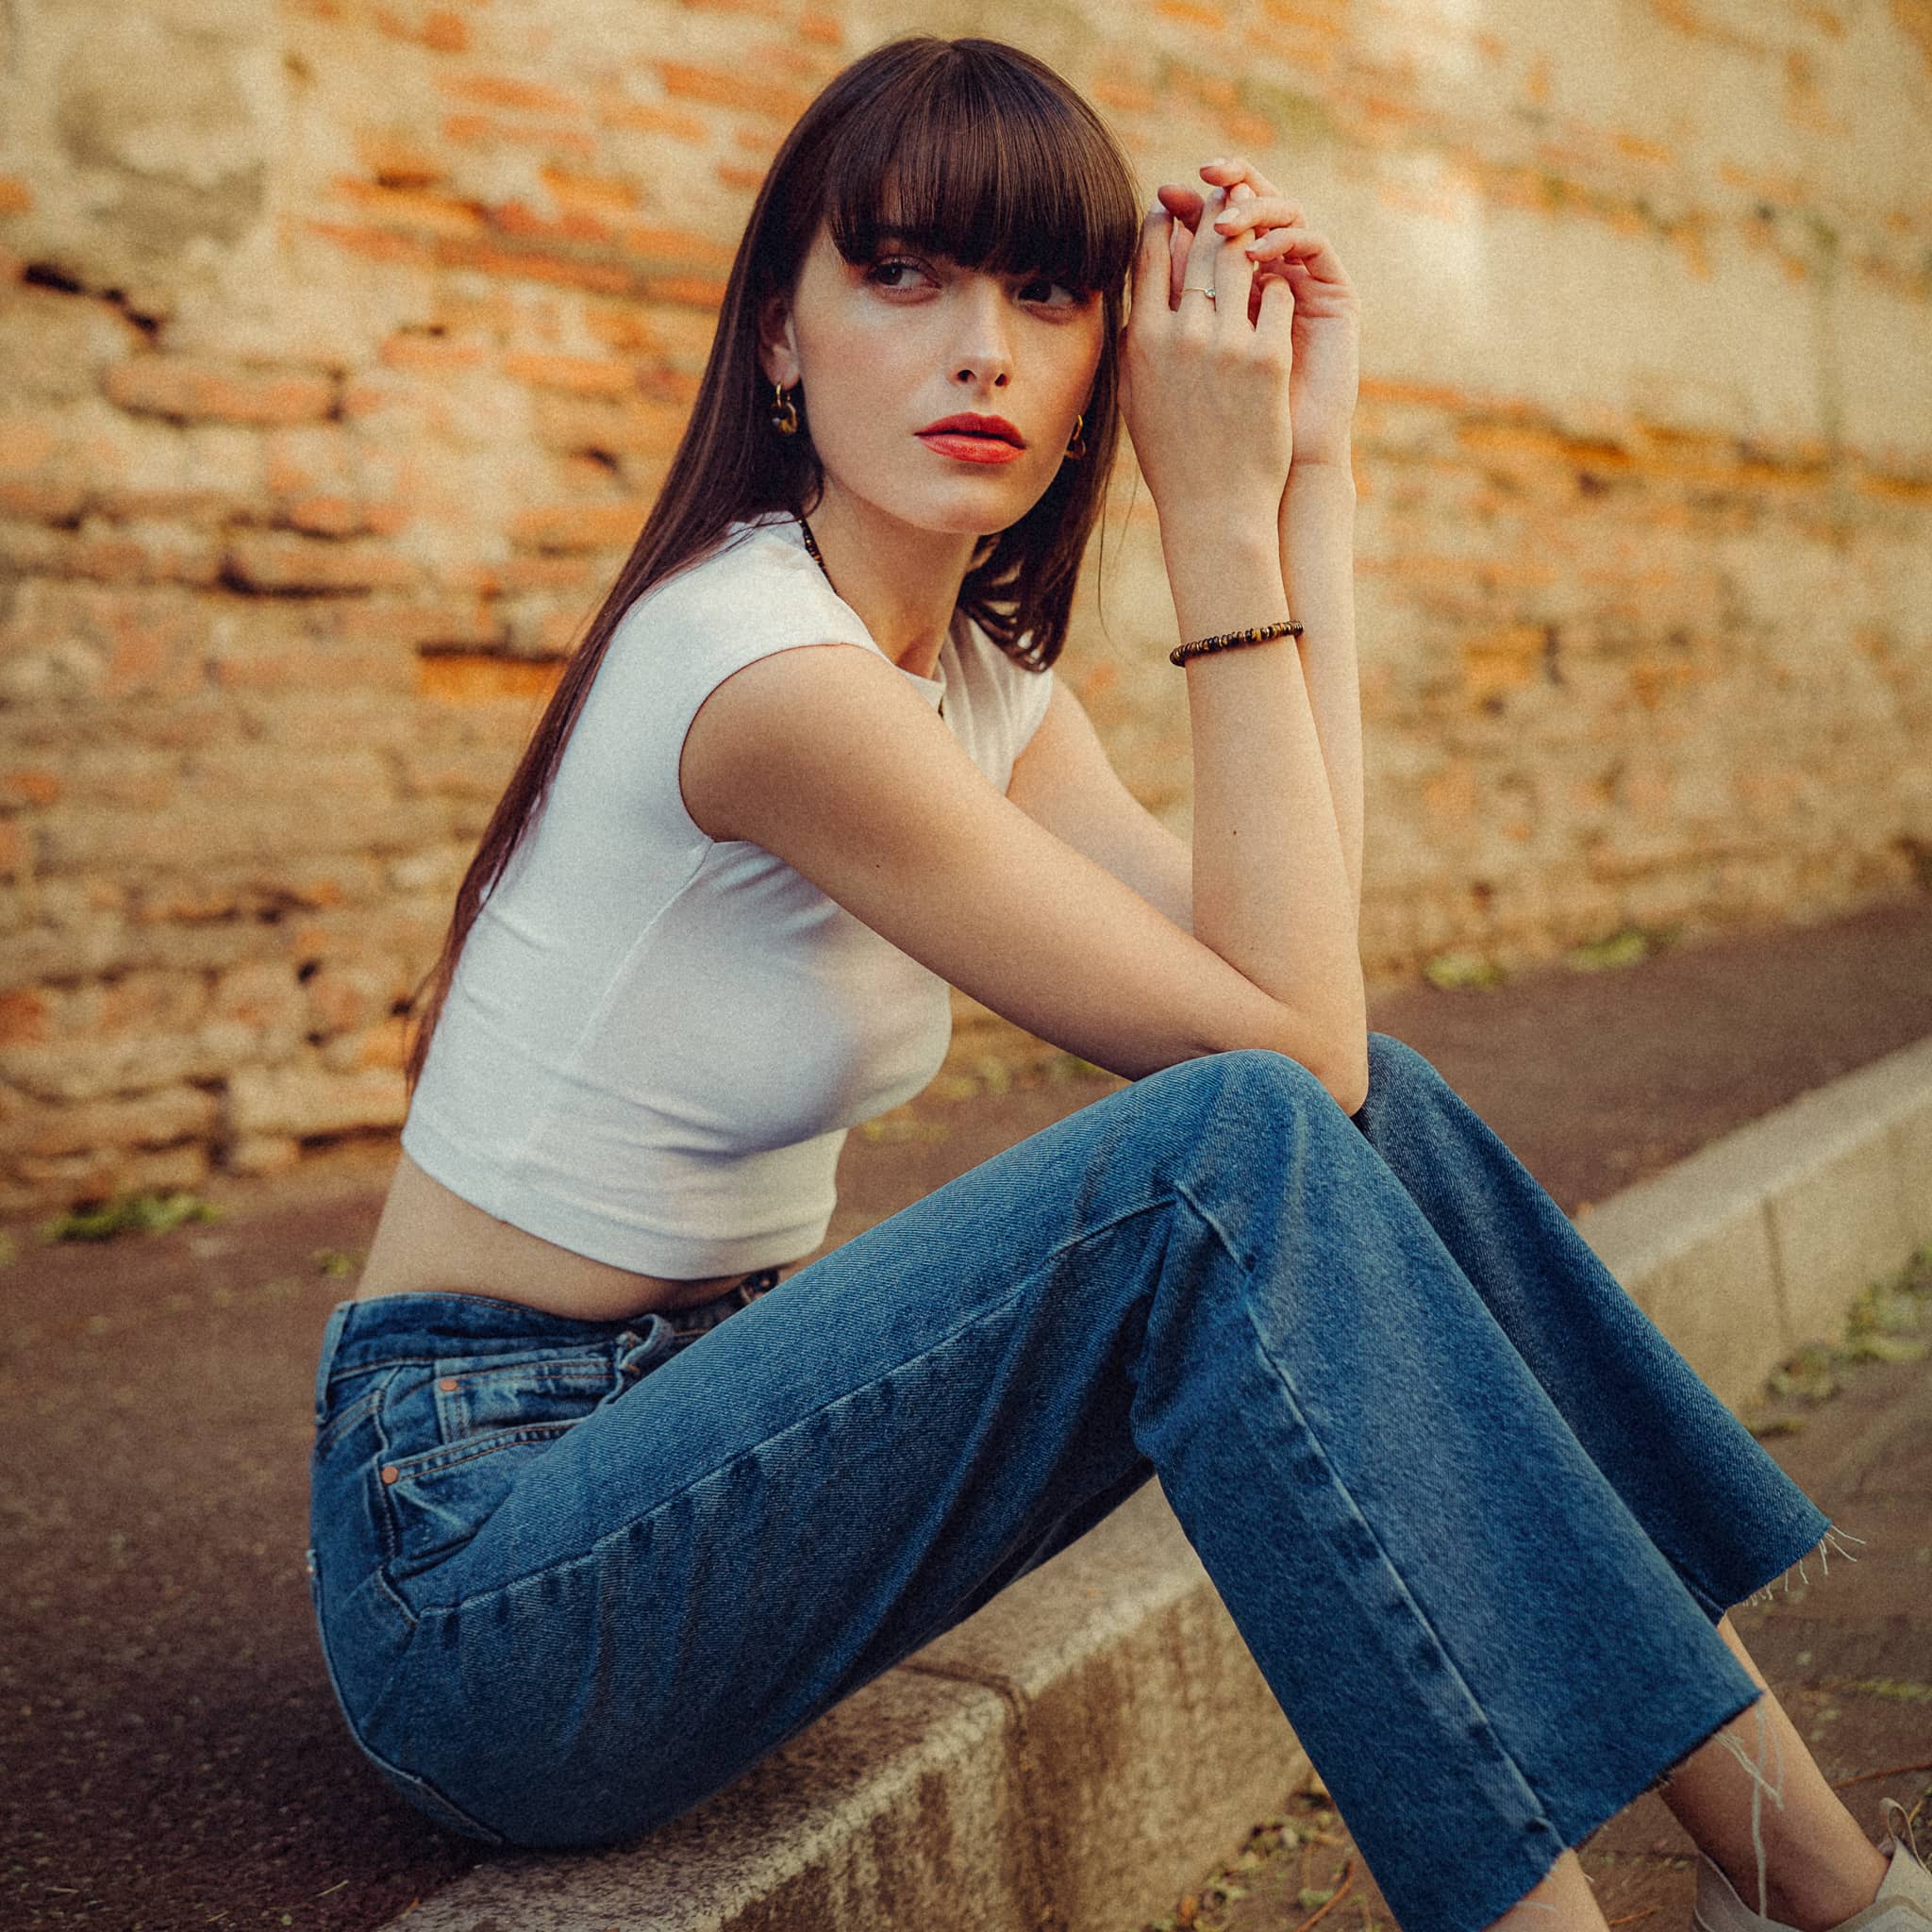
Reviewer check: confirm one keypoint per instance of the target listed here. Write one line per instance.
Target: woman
(611, 1496)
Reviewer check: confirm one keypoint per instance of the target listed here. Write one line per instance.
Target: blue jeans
(1474, 1516)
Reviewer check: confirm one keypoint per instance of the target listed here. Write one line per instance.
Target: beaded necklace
(812, 545)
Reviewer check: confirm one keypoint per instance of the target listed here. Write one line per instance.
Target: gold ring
(1188, 288)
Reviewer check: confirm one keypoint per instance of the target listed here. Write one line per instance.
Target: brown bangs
(976, 160)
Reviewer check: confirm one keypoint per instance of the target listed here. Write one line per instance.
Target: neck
(902, 581)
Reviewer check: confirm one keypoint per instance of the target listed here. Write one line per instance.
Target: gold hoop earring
(1077, 449)
(784, 411)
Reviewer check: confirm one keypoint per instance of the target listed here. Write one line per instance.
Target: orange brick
(486, 130)
(497, 91)
(441, 31)
(589, 194)
(685, 82)
(1189, 13)
(588, 375)
(43, 503)
(118, 558)
(29, 785)
(413, 626)
(620, 326)
(410, 208)
(398, 164)
(647, 117)
(378, 244)
(26, 443)
(517, 218)
(25, 1017)
(579, 525)
(466, 678)
(692, 291)
(606, 278)
(263, 561)
(430, 355)
(329, 516)
(678, 244)
(217, 392)
(1126, 95)
(1243, 130)
(151, 652)
(632, 427)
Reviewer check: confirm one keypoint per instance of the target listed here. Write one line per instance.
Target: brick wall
(343, 344)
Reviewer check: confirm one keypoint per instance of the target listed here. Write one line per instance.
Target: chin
(976, 506)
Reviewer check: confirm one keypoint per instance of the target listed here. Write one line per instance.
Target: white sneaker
(1904, 1902)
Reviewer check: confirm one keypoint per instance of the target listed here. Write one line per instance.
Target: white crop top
(655, 1042)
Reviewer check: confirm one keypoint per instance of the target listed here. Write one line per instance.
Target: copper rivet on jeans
(390, 1472)
(447, 1382)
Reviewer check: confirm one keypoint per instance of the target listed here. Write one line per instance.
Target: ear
(777, 348)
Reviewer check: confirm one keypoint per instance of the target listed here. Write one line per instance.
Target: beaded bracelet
(1228, 640)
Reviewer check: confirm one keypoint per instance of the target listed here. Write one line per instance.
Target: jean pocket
(480, 1420)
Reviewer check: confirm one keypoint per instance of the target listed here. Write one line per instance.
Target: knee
(1247, 1076)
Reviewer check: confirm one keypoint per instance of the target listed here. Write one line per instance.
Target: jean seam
(339, 1423)
(1206, 1216)
(985, 1314)
(1540, 1810)
(388, 1531)
(1436, 1092)
(424, 1462)
(355, 1729)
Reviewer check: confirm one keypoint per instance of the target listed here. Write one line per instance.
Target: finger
(1271, 212)
(1153, 262)
(1186, 207)
(1226, 172)
(1197, 269)
(1275, 323)
(1183, 247)
(1183, 202)
(1302, 247)
(1233, 277)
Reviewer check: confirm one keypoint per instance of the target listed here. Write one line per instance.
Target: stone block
(147, 1119)
(899, 1807)
(306, 1100)
(1121, 1660)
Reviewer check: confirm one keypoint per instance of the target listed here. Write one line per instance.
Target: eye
(885, 267)
(1075, 300)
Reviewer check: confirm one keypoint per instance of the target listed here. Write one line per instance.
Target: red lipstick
(973, 439)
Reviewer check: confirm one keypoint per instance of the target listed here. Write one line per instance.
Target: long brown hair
(992, 160)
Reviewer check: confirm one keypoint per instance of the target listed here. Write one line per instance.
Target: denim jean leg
(1708, 1494)
(1213, 1274)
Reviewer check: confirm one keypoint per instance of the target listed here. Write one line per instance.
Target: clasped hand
(1222, 399)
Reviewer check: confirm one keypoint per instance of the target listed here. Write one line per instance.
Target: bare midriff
(431, 1240)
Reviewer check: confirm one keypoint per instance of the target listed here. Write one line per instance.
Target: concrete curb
(1084, 1747)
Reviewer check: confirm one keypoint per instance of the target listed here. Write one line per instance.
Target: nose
(983, 351)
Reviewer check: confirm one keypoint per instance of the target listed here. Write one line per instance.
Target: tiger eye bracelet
(1232, 640)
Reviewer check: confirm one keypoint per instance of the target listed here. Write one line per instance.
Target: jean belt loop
(642, 1347)
(331, 1335)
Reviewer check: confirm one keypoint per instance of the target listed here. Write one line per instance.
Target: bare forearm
(1317, 542)
(1272, 893)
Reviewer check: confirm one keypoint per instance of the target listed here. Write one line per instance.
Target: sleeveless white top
(655, 1042)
